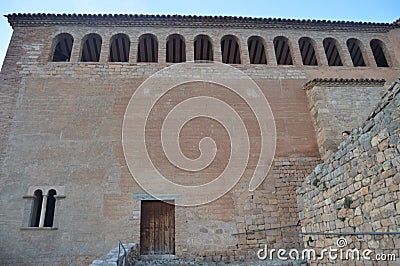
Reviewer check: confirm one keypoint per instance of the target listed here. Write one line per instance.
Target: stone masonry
(340, 104)
(357, 188)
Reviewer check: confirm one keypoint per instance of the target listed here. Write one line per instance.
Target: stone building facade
(67, 194)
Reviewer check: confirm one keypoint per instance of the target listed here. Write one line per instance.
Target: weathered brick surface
(356, 188)
(61, 126)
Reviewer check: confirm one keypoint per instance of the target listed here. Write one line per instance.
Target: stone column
(368, 55)
(76, 49)
(270, 51)
(162, 49)
(244, 51)
(344, 53)
(217, 49)
(189, 47)
(105, 49)
(297, 60)
(133, 51)
(321, 56)
(43, 211)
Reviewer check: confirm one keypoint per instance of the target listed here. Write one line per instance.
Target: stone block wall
(357, 188)
(337, 105)
(236, 226)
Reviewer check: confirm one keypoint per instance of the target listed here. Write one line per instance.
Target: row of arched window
(147, 50)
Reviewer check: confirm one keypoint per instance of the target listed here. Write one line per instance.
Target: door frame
(142, 216)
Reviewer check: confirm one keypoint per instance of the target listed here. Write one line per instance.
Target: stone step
(111, 259)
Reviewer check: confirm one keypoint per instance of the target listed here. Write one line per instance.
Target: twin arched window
(43, 208)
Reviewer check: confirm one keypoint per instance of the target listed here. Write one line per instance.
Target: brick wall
(357, 188)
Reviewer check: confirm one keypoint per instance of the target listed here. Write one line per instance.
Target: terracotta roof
(342, 81)
(191, 21)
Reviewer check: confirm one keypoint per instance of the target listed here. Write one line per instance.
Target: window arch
(119, 48)
(147, 49)
(307, 51)
(176, 50)
(91, 47)
(356, 55)
(256, 47)
(62, 47)
(332, 52)
(36, 208)
(50, 208)
(282, 51)
(40, 211)
(203, 49)
(230, 50)
(378, 50)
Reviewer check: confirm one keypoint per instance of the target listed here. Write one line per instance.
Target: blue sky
(354, 10)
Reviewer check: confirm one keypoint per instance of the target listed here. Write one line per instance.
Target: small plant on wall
(347, 202)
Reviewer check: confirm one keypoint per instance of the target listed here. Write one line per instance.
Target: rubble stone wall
(357, 188)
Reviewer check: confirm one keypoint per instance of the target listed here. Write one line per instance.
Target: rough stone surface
(339, 107)
(364, 196)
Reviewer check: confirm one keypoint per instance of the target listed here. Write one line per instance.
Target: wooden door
(157, 228)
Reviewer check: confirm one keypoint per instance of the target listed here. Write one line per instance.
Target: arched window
(354, 47)
(230, 50)
(256, 46)
(62, 46)
(119, 48)
(147, 49)
(91, 47)
(307, 51)
(176, 51)
(36, 208)
(203, 49)
(50, 208)
(378, 49)
(332, 52)
(282, 51)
